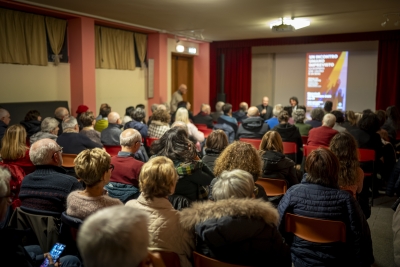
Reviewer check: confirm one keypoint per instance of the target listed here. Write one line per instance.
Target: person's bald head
(130, 140)
(161, 107)
(253, 112)
(5, 116)
(45, 152)
(265, 101)
(61, 113)
(182, 88)
(114, 117)
(329, 120)
(244, 106)
(206, 108)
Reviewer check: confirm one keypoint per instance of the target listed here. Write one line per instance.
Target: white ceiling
(239, 19)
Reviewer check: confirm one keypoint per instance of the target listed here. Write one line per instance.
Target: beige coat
(164, 228)
(176, 98)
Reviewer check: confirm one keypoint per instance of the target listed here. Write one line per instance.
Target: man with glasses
(47, 188)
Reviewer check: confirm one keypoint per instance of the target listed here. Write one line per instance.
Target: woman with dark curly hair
(289, 133)
(193, 174)
(216, 142)
(351, 176)
(32, 122)
(159, 123)
(242, 156)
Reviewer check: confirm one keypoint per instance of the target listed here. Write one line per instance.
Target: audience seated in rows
(289, 133)
(137, 116)
(14, 150)
(193, 174)
(102, 119)
(47, 188)
(350, 176)
(232, 157)
(216, 142)
(159, 123)
(275, 163)
(60, 114)
(252, 127)
(299, 116)
(11, 240)
(317, 114)
(203, 117)
(110, 135)
(318, 196)
(241, 114)
(48, 129)
(93, 168)
(321, 136)
(124, 181)
(79, 111)
(218, 111)
(88, 121)
(237, 228)
(272, 122)
(183, 116)
(32, 122)
(116, 236)
(158, 180)
(73, 142)
(266, 111)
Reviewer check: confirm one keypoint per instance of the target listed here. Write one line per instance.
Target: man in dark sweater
(48, 186)
(241, 114)
(110, 135)
(124, 181)
(321, 136)
(73, 142)
(254, 126)
(203, 117)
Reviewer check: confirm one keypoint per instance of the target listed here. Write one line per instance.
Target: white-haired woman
(237, 228)
(48, 129)
(183, 115)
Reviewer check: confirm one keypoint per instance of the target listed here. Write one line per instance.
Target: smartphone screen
(55, 254)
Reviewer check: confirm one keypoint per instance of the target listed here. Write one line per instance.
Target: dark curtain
(388, 84)
(237, 75)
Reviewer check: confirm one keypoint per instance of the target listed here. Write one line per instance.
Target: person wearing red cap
(81, 109)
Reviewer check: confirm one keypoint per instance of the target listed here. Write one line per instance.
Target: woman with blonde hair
(157, 181)
(242, 156)
(182, 114)
(14, 149)
(351, 176)
(275, 163)
(93, 167)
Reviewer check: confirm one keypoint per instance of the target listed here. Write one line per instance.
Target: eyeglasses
(111, 167)
(60, 150)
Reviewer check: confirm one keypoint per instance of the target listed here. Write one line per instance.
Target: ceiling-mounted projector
(283, 28)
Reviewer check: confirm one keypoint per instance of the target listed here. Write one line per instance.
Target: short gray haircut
(41, 152)
(114, 236)
(233, 184)
(138, 114)
(5, 177)
(127, 139)
(113, 117)
(329, 120)
(219, 105)
(3, 112)
(59, 113)
(49, 124)
(277, 108)
(180, 124)
(299, 115)
(69, 122)
(317, 114)
(162, 106)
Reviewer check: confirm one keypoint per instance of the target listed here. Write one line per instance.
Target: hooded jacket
(237, 231)
(31, 127)
(140, 127)
(253, 127)
(277, 165)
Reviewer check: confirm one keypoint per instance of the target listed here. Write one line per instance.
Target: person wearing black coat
(216, 142)
(289, 133)
(203, 117)
(32, 122)
(253, 127)
(265, 109)
(318, 196)
(237, 228)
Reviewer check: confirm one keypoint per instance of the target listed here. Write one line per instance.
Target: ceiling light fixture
(285, 23)
(386, 17)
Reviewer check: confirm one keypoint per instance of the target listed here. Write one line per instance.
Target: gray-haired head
(277, 108)
(233, 184)
(114, 236)
(162, 107)
(138, 114)
(299, 115)
(69, 123)
(42, 151)
(48, 125)
(219, 105)
(329, 120)
(317, 114)
(129, 137)
(61, 113)
(154, 107)
(113, 117)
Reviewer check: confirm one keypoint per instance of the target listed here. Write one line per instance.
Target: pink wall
(201, 77)
(82, 63)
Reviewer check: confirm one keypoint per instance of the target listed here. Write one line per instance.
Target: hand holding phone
(54, 254)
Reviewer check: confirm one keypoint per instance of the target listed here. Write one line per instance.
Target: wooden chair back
(112, 150)
(68, 160)
(273, 187)
(170, 259)
(203, 261)
(254, 142)
(315, 230)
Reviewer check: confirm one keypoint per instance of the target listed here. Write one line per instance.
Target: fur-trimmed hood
(250, 208)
